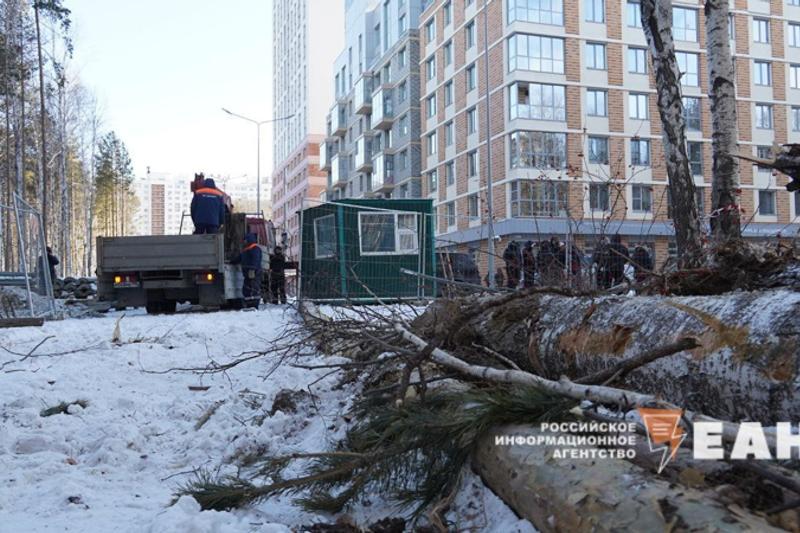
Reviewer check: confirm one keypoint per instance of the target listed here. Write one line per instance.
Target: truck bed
(160, 252)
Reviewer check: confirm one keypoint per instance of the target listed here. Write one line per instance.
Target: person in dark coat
(51, 262)
(642, 262)
(208, 208)
(617, 257)
(528, 265)
(277, 276)
(250, 259)
(513, 261)
(600, 259)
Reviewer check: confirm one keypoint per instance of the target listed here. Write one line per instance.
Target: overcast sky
(162, 69)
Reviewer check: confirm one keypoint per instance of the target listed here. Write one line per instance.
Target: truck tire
(154, 308)
(168, 307)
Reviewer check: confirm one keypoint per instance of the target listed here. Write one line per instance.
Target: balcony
(338, 173)
(325, 152)
(383, 173)
(363, 95)
(339, 119)
(363, 154)
(382, 109)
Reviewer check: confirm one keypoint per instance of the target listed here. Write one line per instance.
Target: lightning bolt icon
(663, 432)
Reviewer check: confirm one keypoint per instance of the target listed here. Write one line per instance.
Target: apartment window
(448, 93)
(472, 121)
(401, 24)
(596, 103)
(430, 68)
(764, 116)
(401, 57)
(794, 35)
(637, 60)
(472, 207)
(641, 198)
(688, 64)
(794, 76)
(538, 101)
(536, 53)
(471, 76)
(700, 199)
(760, 30)
(450, 173)
(430, 106)
(764, 152)
(430, 31)
(449, 131)
(447, 12)
(684, 24)
(538, 198)
(433, 142)
(695, 152)
(388, 233)
(766, 203)
(796, 118)
(447, 51)
(691, 113)
(731, 27)
(637, 106)
(596, 56)
(325, 237)
(793, 2)
(762, 73)
(450, 214)
(433, 180)
(640, 152)
(403, 124)
(469, 34)
(538, 149)
(541, 11)
(472, 164)
(633, 14)
(402, 92)
(598, 150)
(598, 197)
(594, 10)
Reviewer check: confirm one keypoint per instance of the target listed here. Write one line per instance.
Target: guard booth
(368, 251)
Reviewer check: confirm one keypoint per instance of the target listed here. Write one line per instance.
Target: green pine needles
(413, 453)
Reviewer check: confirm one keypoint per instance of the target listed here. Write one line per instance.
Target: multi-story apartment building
(306, 37)
(163, 200)
(575, 135)
(372, 145)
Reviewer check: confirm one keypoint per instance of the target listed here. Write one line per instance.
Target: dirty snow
(114, 465)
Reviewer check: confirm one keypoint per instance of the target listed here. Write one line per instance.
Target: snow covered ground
(114, 465)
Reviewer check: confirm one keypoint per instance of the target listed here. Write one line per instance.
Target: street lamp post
(258, 124)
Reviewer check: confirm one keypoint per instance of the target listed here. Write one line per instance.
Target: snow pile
(114, 465)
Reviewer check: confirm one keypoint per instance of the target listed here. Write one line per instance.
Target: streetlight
(258, 124)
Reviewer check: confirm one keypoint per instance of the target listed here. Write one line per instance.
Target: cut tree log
(746, 367)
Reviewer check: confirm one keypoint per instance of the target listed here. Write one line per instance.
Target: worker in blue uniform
(208, 208)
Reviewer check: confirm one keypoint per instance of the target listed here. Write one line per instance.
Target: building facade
(307, 36)
(574, 131)
(372, 146)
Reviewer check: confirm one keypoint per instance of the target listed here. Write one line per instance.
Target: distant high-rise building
(307, 35)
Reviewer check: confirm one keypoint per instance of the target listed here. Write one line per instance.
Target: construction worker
(208, 208)
(250, 259)
(277, 278)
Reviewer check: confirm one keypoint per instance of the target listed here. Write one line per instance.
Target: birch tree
(657, 24)
(726, 224)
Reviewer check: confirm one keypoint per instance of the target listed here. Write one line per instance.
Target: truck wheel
(153, 308)
(169, 307)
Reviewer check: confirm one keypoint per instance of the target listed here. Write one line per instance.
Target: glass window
(472, 121)
(469, 34)
(695, 153)
(538, 198)
(430, 106)
(762, 73)
(447, 51)
(731, 27)
(471, 77)
(598, 196)
(402, 92)
(794, 76)
(633, 14)
(640, 152)
(325, 237)
(760, 30)
(596, 56)
(637, 60)
(433, 180)
(637, 106)
(388, 233)
(598, 150)
(794, 35)
(691, 113)
(684, 24)
(472, 207)
(447, 11)
(430, 30)
(401, 57)
(472, 163)
(449, 133)
(538, 149)
(688, 64)
(433, 143)
(450, 214)
(596, 103)
(448, 93)
(641, 198)
(403, 123)
(430, 68)
(795, 119)
(764, 116)
(403, 161)
(450, 172)
(766, 203)
(541, 11)
(538, 101)
(699, 199)
(402, 26)
(536, 53)
(764, 152)
(594, 10)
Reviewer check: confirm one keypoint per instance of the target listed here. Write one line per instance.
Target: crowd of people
(552, 262)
